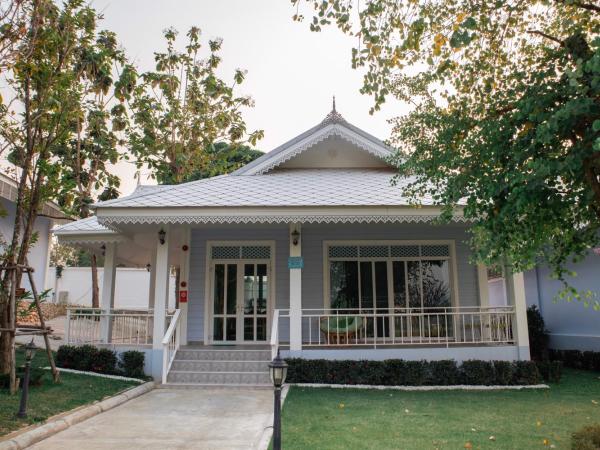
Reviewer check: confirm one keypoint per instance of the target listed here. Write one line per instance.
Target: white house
(309, 249)
(50, 215)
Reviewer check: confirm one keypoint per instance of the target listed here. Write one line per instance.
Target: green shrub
(131, 364)
(526, 372)
(87, 358)
(538, 335)
(576, 359)
(551, 371)
(503, 371)
(415, 373)
(475, 372)
(443, 373)
(587, 438)
(397, 372)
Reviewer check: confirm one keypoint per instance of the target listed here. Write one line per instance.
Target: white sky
(292, 72)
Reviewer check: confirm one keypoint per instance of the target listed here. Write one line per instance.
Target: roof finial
(333, 116)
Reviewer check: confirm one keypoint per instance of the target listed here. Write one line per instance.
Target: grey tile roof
(285, 188)
(82, 226)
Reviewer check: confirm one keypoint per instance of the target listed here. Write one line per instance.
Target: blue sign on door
(295, 262)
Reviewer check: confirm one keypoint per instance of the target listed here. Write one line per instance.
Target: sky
(292, 72)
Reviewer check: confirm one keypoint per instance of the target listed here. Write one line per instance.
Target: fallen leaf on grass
(492, 438)
(468, 445)
(539, 423)
(341, 406)
(595, 402)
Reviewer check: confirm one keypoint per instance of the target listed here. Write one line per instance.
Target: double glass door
(240, 302)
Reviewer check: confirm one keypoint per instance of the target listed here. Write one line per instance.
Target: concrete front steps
(225, 367)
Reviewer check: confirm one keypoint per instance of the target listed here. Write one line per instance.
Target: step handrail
(275, 334)
(170, 344)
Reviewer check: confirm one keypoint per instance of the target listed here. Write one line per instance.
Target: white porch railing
(127, 326)
(405, 326)
(170, 344)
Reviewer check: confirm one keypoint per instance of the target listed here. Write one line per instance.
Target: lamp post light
(29, 353)
(278, 370)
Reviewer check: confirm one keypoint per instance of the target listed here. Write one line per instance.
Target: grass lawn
(358, 419)
(50, 399)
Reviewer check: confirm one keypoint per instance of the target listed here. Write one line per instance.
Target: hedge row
(101, 360)
(397, 372)
(576, 359)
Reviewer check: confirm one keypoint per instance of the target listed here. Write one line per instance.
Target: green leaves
(183, 107)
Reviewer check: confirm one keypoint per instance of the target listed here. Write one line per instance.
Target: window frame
(452, 265)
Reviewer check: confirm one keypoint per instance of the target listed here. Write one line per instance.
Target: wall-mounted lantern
(295, 237)
(162, 234)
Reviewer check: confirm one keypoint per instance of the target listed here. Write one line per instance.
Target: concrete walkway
(56, 338)
(175, 419)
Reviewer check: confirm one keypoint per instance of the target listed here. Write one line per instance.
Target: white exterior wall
(131, 287)
(38, 255)
(312, 239)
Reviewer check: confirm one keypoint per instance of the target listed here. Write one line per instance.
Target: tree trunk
(95, 290)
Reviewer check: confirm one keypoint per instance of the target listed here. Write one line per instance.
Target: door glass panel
(436, 283)
(381, 286)
(344, 284)
(218, 328)
(248, 329)
(381, 298)
(262, 288)
(249, 289)
(366, 285)
(261, 329)
(231, 288)
(399, 274)
(414, 284)
(231, 329)
(219, 293)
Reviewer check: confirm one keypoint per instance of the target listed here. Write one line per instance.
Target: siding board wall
(312, 251)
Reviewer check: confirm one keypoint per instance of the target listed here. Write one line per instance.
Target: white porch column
(515, 291)
(152, 287)
(107, 301)
(484, 300)
(161, 298)
(295, 291)
(184, 282)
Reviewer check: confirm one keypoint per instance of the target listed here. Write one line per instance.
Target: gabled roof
(333, 125)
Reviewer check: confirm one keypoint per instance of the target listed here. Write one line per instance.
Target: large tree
(182, 108)
(504, 100)
(52, 76)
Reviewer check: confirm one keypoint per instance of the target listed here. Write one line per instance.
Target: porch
(310, 290)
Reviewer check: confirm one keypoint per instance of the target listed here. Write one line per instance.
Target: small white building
(49, 216)
(309, 249)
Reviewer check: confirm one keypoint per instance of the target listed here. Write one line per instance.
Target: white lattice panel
(226, 252)
(256, 252)
(404, 251)
(343, 251)
(435, 250)
(374, 251)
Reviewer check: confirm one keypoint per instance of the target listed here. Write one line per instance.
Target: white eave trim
(335, 129)
(113, 217)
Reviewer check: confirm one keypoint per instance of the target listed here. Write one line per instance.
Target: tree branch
(547, 36)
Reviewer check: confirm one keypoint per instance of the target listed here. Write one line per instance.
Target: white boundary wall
(131, 287)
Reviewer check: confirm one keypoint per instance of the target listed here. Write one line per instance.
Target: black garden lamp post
(29, 353)
(278, 370)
